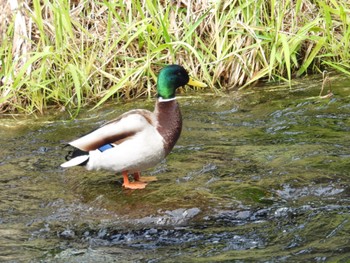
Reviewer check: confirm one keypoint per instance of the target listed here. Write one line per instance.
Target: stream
(260, 175)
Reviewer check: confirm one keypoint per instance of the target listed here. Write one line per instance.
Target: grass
(68, 54)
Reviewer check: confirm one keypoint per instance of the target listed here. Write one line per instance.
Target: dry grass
(72, 53)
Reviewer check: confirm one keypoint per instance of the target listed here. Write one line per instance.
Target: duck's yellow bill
(196, 83)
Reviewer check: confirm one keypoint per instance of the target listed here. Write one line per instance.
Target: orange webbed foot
(132, 185)
(145, 179)
(135, 185)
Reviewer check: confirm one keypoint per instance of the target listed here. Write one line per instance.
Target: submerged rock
(175, 217)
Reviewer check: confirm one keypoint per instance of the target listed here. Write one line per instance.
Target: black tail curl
(75, 152)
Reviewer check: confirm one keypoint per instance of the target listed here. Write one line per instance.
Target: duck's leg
(138, 178)
(132, 185)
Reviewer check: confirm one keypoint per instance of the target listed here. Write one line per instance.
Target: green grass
(76, 53)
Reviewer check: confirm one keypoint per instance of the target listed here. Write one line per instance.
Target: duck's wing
(116, 131)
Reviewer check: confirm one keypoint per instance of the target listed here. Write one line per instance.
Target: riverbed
(260, 175)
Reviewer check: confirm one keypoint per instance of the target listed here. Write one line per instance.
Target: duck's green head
(172, 77)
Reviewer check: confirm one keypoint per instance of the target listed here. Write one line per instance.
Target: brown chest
(169, 123)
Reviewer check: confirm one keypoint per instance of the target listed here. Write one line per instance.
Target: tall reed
(74, 53)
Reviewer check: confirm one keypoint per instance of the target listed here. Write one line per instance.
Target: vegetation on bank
(71, 53)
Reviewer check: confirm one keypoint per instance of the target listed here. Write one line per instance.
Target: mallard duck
(137, 139)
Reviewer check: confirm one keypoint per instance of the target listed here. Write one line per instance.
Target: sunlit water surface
(259, 176)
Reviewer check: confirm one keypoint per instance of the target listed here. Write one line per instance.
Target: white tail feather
(75, 161)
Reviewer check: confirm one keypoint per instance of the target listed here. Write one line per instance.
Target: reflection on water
(256, 176)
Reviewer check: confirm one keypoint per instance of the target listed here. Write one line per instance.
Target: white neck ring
(160, 99)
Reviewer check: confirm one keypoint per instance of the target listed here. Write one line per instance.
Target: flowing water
(257, 176)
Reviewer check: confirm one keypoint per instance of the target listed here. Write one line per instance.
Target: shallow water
(260, 176)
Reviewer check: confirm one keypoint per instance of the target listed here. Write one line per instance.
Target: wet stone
(171, 217)
(283, 212)
(67, 234)
(261, 214)
(243, 215)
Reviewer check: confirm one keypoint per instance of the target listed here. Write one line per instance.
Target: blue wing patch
(105, 147)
